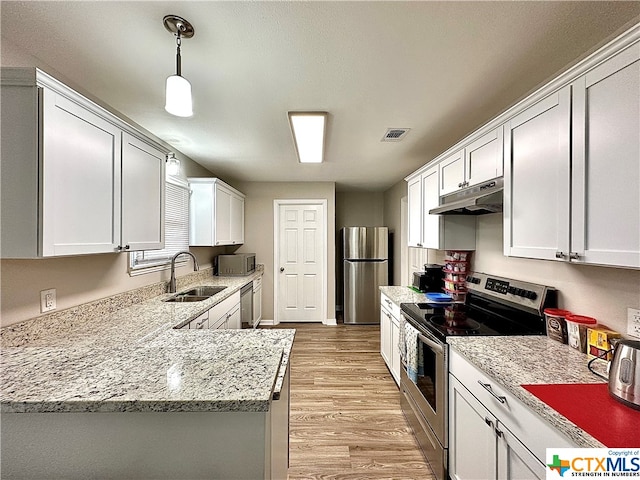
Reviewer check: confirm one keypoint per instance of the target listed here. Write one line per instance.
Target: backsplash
(79, 314)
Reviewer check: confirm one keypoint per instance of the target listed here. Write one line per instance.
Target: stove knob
(520, 292)
(531, 295)
(475, 280)
(511, 290)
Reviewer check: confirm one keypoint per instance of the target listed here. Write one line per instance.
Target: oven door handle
(431, 344)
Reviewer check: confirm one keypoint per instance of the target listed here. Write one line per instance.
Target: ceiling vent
(395, 134)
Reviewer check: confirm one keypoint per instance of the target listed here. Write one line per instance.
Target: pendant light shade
(178, 89)
(179, 100)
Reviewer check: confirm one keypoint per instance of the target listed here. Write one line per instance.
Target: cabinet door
(452, 174)
(606, 170)
(536, 180)
(472, 441)
(414, 200)
(80, 180)
(142, 195)
(385, 336)
(430, 199)
(515, 461)
(395, 349)
(223, 216)
(236, 219)
(201, 214)
(234, 321)
(483, 158)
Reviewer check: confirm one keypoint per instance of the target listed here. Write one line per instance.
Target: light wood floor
(345, 419)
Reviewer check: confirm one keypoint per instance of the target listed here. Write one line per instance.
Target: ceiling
(441, 69)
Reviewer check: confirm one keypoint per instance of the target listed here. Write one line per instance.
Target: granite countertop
(400, 295)
(136, 359)
(522, 360)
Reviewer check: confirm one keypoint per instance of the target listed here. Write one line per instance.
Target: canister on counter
(577, 331)
(599, 341)
(556, 323)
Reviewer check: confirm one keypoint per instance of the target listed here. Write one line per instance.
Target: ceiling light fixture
(308, 130)
(178, 92)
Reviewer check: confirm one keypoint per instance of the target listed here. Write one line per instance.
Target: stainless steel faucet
(172, 280)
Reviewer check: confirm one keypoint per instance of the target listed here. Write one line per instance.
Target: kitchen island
(128, 395)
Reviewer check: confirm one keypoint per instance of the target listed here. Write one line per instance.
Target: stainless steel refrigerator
(365, 256)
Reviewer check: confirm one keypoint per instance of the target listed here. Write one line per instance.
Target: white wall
(259, 234)
(600, 292)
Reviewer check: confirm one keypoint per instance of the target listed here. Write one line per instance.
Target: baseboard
(331, 322)
(266, 322)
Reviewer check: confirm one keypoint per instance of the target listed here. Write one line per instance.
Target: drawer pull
(487, 387)
(488, 421)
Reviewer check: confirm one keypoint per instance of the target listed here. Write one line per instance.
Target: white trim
(276, 251)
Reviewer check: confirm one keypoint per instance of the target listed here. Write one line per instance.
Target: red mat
(591, 408)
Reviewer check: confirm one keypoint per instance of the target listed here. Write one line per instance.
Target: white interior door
(300, 263)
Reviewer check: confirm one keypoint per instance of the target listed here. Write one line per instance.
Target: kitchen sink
(203, 291)
(186, 298)
(197, 294)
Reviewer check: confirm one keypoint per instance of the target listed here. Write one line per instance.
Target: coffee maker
(431, 279)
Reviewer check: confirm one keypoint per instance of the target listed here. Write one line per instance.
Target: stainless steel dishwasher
(246, 306)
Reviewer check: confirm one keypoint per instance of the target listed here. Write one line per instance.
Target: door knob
(282, 269)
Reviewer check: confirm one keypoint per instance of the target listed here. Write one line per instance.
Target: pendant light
(178, 90)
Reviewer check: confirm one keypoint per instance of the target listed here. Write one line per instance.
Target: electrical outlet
(633, 322)
(47, 300)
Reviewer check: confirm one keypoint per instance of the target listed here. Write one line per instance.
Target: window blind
(176, 229)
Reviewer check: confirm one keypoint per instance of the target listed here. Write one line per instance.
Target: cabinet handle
(487, 387)
(560, 255)
(419, 244)
(119, 248)
(574, 255)
(388, 301)
(498, 432)
(488, 421)
(127, 247)
(460, 185)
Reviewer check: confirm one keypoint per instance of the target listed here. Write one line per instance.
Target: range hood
(476, 200)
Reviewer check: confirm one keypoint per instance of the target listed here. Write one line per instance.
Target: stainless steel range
(494, 306)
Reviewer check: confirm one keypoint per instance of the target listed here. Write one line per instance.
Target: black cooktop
(476, 317)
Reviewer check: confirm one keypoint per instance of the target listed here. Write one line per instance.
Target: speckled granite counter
(135, 360)
(400, 295)
(515, 361)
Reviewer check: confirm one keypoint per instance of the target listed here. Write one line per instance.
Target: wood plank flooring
(345, 418)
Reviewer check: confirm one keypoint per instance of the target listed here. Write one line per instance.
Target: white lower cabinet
(390, 335)
(257, 300)
(226, 314)
(492, 435)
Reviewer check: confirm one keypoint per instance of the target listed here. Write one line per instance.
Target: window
(176, 231)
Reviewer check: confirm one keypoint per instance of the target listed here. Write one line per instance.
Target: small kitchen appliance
(624, 375)
(430, 279)
(238, 264)
(493, 306)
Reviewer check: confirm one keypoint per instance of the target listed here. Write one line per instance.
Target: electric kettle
(624, 375)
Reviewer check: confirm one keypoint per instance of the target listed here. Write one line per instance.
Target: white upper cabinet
(452, 176)
(477, 162)
(74, 181)
(536, 179)
(142, 195)
(455, 232)
(216, 213)
(483, 158)
(605, 184)
(414, 200)
(572, 170)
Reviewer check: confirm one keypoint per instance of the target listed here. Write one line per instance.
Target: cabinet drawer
(523, 422)
(220, 309)
(390, 306)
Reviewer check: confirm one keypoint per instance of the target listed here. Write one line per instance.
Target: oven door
(429, 392)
